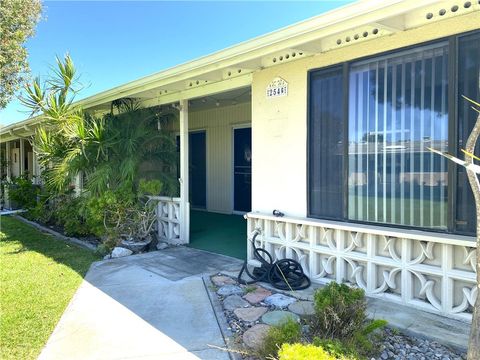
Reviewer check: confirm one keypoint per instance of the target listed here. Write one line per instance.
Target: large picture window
(376, 137)
(398, 107)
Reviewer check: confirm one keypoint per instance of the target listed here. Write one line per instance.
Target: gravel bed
(398, 346)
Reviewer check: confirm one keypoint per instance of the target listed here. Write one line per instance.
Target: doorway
(242, 170)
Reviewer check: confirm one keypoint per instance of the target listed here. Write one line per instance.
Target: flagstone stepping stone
(257, 296)
(253, 337)
(278, 317)
(234, 301)
(250, 314)
(302, 308)
(228, 290)
(221, 280)
(279, 300)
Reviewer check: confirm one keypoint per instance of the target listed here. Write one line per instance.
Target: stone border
(71, 240)
(220, 316)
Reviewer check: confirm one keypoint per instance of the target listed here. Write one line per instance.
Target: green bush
(340, 323)
(307, 352)
(68, 214)
(288, 332)
(150, 187)
(22, 192)
(340, 311)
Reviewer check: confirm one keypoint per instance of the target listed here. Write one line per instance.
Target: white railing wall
(168, 219)
(433, 272)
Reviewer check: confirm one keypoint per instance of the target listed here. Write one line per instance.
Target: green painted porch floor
(219, 233)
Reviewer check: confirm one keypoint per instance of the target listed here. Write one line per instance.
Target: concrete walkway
(150, 306)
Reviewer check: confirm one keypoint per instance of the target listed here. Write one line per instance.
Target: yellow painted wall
(219, 123)
(279, 125)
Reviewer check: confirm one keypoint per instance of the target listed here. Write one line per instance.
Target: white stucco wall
(279, 125)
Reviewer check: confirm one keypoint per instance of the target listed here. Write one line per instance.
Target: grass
(219, 233)
(39, 275)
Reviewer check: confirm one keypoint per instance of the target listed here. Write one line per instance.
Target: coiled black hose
(285, 274)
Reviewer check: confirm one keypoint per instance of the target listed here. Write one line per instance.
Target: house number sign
(278, 87)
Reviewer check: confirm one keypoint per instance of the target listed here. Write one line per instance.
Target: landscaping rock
(253, 337)
(400, 346)
(278, 317)
(234, 301)
(257, 296)
(302, 308)
(228, 290)
(119, 252)
(279, 300)
(135, 246)
(250, 314)
(162, 245)
(106, 257)
(221, 280)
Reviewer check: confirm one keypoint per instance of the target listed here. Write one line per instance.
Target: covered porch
(214, 138)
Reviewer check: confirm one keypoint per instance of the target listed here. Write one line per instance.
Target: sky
(113, 42)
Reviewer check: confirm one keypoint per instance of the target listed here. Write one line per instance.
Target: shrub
(288, 332)
(306, 352)
(340, 311)
(22, 192)
(340, 322)
(150, 187)
(68, 214)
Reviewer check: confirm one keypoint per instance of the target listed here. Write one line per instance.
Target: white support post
(184, 188)
(21, 155)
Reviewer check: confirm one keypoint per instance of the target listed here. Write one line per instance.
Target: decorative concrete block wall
(432, 272)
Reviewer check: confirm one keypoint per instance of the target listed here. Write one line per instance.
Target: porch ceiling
(232, 68)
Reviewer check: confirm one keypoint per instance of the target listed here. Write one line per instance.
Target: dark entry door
(198, 169)
(242, 169)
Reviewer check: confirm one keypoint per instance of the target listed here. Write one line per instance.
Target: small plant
(340, 311)
(307, 352)
(288, 332)
(249, 289)
(340, 323)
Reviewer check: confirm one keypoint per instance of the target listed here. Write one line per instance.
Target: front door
(242, 169)
(198, 169)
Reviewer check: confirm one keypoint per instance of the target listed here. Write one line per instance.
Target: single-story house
(329, 121)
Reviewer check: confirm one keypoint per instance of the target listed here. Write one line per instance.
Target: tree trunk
(474, 341)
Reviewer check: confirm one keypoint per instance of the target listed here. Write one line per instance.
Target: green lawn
(39, 275)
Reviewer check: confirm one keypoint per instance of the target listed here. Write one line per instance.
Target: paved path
(150, 306)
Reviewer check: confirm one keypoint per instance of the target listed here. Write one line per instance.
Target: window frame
(452, 133)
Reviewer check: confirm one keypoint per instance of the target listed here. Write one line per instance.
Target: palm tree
(108, 151)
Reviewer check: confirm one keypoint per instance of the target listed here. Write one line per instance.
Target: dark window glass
(468, 85)
(397, 110)
(326, 144)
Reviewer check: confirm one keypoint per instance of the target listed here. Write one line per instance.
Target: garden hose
(285, 274)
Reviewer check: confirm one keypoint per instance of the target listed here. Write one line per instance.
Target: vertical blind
(326, 144)
(398, 107)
